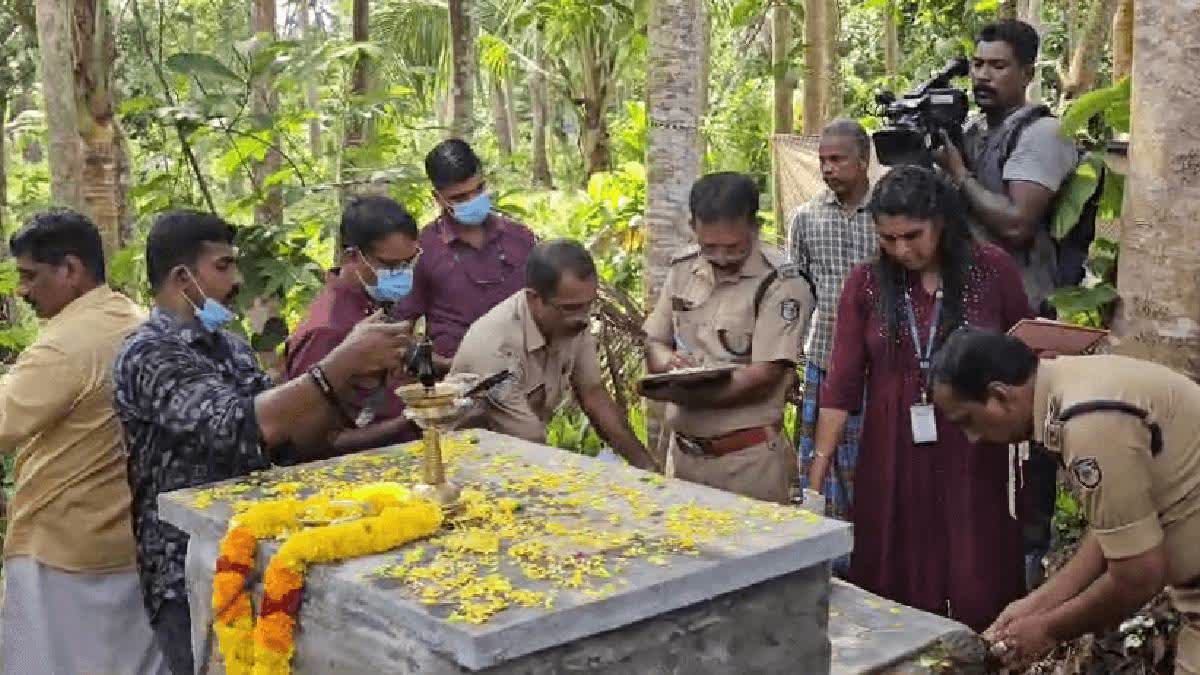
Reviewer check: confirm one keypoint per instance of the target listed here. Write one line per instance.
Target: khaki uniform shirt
(1134, 500)
(507, 338)
(71, 508)
(715, 322)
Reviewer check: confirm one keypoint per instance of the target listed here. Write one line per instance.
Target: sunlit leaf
(1093, 103)
(1073, 196)
(194, 64)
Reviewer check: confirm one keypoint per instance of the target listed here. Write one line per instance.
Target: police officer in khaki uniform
(1128, 433)
(726, 302)
(540, 335)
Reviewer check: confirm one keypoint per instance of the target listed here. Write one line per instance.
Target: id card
(924, 424)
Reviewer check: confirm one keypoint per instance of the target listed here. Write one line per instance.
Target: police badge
(1086, 471)
(789, 310)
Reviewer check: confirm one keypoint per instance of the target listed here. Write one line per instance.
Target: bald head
(845, 156)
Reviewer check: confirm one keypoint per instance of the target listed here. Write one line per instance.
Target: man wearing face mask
(541, 336)
(379, 248)
(197, 408)
(729, 302)
(472, 257)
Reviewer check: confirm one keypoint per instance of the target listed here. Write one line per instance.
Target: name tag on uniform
(924, 424)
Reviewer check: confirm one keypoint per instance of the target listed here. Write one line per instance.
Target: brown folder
(1044, 335)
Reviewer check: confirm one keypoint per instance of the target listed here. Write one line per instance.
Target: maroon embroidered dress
(931, 522)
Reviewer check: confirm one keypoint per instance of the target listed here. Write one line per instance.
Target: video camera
(915, 121)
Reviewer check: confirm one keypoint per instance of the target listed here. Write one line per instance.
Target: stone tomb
(598, 568)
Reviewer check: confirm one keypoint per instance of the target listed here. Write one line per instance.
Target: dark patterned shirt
(186, 399)
(827, 243)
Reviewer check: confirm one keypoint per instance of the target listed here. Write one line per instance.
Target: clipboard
(1056, 336)
(688, 376)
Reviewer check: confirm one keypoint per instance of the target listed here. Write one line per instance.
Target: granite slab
(756, 542)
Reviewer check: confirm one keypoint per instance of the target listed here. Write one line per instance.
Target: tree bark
(539, 107)
(1007, 9)
(675, 92)
(463, 89)
(87, 157)
(785, 85)
(1122, 40)
(1086, 57)
(500, 118)
(891, 45)
(510, 107)
(821, 22)
(311, 97)
(356, 135)
(264, 102)
(1159, 314)
(1031, 13)
(3, 173)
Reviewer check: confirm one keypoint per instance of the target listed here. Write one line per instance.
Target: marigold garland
(391, 518)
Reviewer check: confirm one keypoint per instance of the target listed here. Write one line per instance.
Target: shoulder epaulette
(688, 253)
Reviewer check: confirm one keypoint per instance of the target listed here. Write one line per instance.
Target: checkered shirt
(827, 243)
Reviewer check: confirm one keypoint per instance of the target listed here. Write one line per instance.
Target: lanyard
(923, 358)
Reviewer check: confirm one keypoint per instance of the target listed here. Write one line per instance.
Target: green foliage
(1111, 103)
(1091, 303)
(1073, 197)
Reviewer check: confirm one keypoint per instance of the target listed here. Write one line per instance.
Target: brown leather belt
(724, 445)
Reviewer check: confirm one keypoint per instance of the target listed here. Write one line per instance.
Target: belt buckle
(689, 446)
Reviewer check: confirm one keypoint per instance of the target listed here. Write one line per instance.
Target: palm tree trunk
(1031, 13)
(500, 118)
(3, 173)
(1122, 40)
(462, 40)
(538, 104)
(510, 107)
(821, 63)
(264, 102)
(785, 86)
(1159, 314)
(311, 98)
(1086, 57)
(891, 45)
(831, 81)
(673, 159)
(87, 157)
(356, 135)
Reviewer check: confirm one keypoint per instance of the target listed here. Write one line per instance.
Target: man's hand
(950, 159)
(1016, 610)
(1025, 640)
(681, 360)
(373, 347)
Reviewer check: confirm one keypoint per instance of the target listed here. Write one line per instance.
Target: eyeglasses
(574, 308)
(406, 265)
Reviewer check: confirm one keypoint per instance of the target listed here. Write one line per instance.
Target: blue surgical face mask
(473, 211)
(212, 314)
(390, 285)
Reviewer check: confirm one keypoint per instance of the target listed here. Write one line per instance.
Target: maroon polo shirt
(454, 283)
(332, 315)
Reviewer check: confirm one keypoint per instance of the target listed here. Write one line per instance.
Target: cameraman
(1016, 157)
(1016, 160)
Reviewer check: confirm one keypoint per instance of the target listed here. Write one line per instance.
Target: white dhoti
(65, 623)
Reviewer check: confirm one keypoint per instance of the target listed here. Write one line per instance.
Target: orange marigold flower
(239, 609)
(239, 545)
(280, 580)
(274, 632)
(226, 586)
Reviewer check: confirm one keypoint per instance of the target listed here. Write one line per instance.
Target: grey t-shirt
(1041, 155)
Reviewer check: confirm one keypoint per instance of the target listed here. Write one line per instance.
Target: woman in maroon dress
(930, 512)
